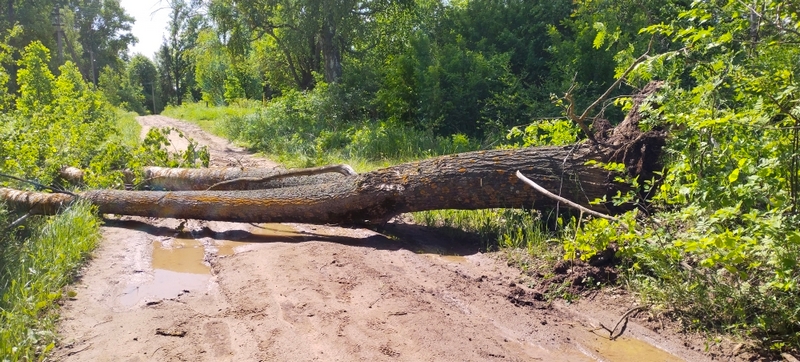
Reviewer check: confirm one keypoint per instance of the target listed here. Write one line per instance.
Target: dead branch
(561, 199)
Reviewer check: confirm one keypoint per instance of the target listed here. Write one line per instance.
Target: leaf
(734, 175)
(600, 38)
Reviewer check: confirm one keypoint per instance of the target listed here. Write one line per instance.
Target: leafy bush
(308, 128)
(720, 249)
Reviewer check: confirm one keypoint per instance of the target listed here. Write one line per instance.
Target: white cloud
(151, 23)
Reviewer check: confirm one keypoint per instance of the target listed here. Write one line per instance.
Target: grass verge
(35, 264)
(210, 118)
(129, 129)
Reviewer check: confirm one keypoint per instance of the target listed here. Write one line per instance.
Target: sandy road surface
(175, 290)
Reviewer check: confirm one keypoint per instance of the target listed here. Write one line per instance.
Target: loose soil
(188, 290)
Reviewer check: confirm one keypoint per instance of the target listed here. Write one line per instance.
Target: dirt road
(175, 290)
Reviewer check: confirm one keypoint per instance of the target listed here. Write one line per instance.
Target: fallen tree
(473, 180)
(223, 178)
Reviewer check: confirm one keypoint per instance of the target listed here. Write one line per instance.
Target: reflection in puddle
(629, 349)
(457, 259)
(454, 258)
(179, 265)
(180, 255)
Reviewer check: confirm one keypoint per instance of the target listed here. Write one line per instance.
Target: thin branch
(561, 199)
(581, 120)
(615, 85)
(18, 221)
(54, 189)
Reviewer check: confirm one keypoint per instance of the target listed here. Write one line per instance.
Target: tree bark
(225, 178)
(474, 180)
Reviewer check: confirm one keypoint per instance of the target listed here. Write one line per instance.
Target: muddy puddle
(455, 259)
(599, 348)
(180, 264)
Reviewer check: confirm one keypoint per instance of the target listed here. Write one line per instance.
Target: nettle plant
(718, 244)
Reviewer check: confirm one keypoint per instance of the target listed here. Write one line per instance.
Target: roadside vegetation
(711, 241)
(53, 122)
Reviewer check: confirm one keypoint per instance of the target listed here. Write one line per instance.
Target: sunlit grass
(129, 128)
(209, 118)
(510, 230)
(33, 271)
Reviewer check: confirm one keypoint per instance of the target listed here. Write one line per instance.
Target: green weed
(33, 270)
(511, 230)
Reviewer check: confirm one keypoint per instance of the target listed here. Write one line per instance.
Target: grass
(35, 264)
(129, 128)
(520, 235)
(210, 117)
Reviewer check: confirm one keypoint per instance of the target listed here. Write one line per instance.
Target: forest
(709, 239)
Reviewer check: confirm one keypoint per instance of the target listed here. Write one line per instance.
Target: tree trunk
(331, 55)
(474, 180)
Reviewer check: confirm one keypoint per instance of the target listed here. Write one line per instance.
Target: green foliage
(306, 127)
(211, 64)
(32, 272)
(143, 75)
(35, 79)
(60, 121)
(120, 92)
(719, 246)
(556, 132)
(174, 58)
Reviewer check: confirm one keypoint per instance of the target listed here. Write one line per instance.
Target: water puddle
(630, 349)
(166, 284)
(620, 350)
(179, 265)
(180, 255)
(454, 259)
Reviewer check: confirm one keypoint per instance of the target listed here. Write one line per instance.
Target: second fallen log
(473, 180)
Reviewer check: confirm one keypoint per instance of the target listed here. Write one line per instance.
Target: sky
(151, 23)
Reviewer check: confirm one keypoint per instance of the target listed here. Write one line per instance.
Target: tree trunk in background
(331, 55)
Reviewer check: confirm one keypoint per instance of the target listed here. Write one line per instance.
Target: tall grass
(305, 129)
(129, 129)
(510, 230)
(33, 269)
(209, 118)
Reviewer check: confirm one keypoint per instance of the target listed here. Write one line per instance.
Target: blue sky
(151, 22)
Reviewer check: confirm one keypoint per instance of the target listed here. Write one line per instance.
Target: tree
(310, 35)
(143, 74)
(121, 92)
(104, 30)
(174, 57)
(211, 66)
(476, 180)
